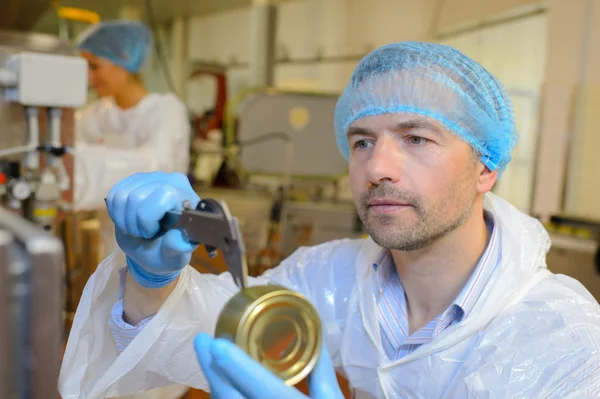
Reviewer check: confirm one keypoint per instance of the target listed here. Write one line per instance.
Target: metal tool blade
(214, 230)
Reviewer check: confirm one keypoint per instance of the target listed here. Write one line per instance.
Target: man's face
(412, 181)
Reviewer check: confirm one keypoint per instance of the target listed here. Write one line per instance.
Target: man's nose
(385, 162)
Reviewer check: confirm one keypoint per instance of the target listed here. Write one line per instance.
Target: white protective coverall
(531, 334)
(113, 143)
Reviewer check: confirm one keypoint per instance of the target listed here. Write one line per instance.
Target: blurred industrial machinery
(212, 119)
(36, 80)
(33, 175)
(31, 318)
(282, 175)
(207, 143)
(42, 83)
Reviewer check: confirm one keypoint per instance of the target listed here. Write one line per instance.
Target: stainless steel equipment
(31, 327)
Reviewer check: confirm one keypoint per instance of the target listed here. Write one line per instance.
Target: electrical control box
(47, 80)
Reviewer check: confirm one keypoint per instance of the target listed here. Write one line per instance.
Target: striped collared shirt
(391, 300)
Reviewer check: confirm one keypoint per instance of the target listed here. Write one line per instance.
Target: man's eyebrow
(359, 131)
(416, 124)
(398, 127)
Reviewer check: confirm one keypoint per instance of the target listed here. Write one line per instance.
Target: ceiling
(164, 10)
(21, 14)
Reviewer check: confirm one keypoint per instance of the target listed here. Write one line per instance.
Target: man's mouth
(387, 205)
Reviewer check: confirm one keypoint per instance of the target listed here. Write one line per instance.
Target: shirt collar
(384, 268)
(467, 298)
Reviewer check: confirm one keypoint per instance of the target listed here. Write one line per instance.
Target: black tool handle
(212, 206)
(207, 205)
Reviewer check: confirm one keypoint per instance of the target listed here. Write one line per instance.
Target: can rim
(312, 324)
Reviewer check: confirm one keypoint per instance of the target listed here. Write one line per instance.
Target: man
(448, 297)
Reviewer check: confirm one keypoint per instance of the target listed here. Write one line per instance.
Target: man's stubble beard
(433, 221)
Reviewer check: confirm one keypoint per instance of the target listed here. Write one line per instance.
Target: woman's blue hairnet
(125, 43)
(438, 82)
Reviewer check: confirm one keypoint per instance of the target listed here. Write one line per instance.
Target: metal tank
(31, 273)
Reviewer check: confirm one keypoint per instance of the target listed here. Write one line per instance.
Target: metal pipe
(33, 137)
(55, 115)
(32, 158)
(16, 150)
(287, 188)
(289, 162)
(54, 139)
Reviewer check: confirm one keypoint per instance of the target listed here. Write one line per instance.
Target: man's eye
(416, 140)
(361, 144)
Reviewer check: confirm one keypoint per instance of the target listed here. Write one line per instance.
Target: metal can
(277, 327)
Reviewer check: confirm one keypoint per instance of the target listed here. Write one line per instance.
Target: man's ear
(485, 178)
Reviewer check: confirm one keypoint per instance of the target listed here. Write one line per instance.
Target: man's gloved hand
(232, 374)
(136, 204)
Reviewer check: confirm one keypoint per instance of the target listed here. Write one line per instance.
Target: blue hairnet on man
(448, 297)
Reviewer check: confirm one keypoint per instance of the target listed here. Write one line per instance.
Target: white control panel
(47, 80)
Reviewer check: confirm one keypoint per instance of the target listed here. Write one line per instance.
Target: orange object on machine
(212, 119)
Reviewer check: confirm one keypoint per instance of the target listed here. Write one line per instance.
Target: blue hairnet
(125, 43)
(438, 82)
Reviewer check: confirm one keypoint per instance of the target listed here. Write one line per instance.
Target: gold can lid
(282, 331)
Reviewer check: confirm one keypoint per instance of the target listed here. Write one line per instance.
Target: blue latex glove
(232, 374)
(136, 204)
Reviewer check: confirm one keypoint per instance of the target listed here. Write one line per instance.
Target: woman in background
(127, 130)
